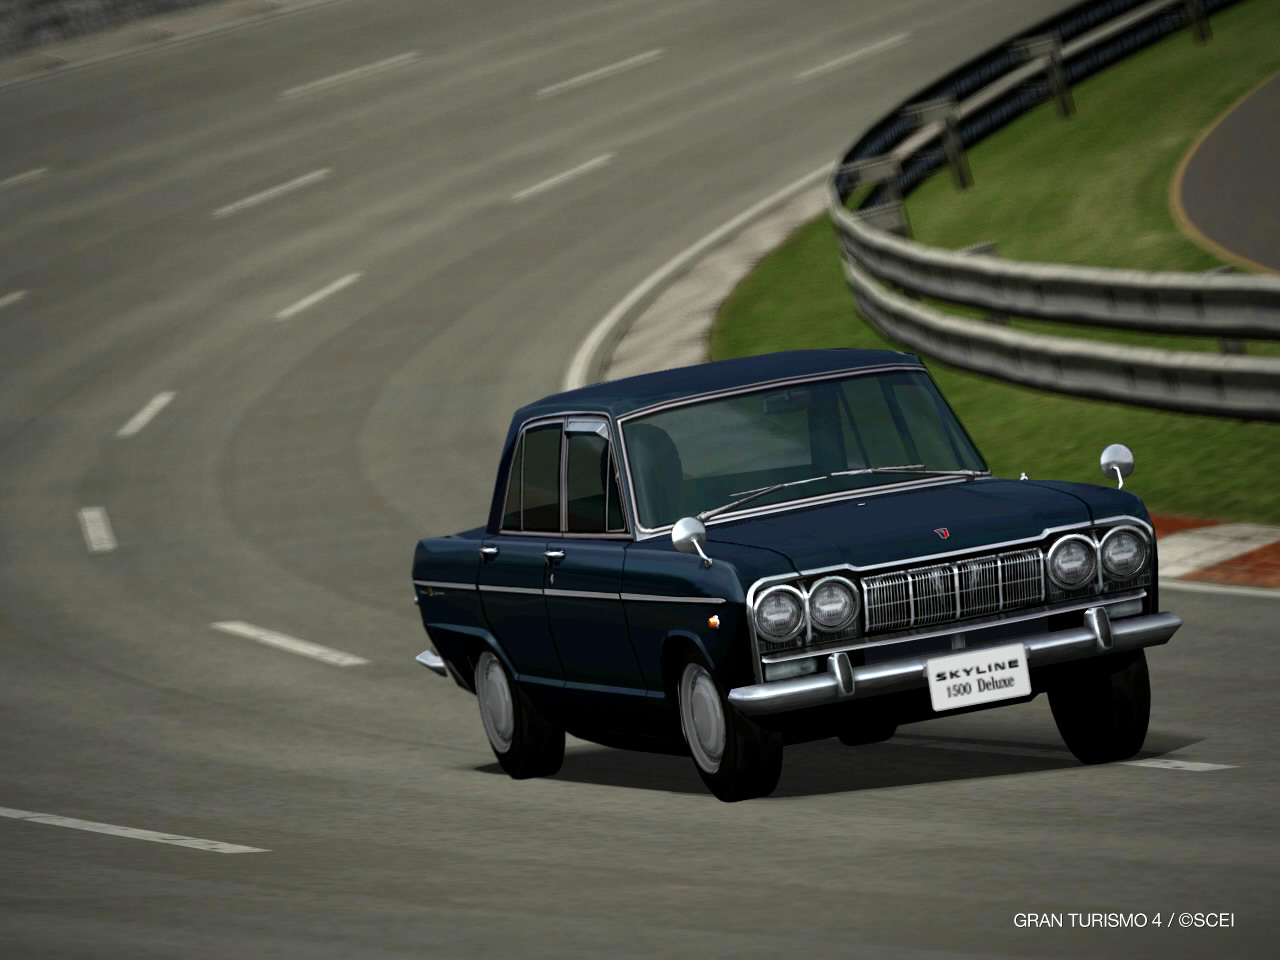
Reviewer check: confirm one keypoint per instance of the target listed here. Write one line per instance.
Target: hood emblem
(942, 532)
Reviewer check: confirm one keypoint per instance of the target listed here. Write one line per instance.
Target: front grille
(953, 591)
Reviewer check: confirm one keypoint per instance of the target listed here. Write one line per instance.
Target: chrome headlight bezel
(855, 606)
(1142, 539)
(1058, 544)
(801, 606)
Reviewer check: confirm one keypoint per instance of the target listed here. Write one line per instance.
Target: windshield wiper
(750, 495)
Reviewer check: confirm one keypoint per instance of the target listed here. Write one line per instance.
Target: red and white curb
(1241, 555)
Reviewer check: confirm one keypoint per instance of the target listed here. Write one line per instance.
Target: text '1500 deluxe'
(722, 559)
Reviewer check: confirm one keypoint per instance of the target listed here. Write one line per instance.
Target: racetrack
(286, 480)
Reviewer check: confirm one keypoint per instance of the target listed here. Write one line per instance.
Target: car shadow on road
(827, 766)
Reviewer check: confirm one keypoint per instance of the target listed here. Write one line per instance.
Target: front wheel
(525, 743)
(736, 758)
(1102, 707)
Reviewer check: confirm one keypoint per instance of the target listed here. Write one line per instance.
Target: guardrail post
(1048, 49)
(1199, 21)
(890, 217)
(947, 112)
(987, 248)
(1227, 344)
(879, 170)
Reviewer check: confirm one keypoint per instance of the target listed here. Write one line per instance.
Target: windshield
(700, 456)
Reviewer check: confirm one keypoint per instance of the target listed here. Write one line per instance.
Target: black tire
(750, 758)
(858, 731)
(525, 743)
(1102, 707)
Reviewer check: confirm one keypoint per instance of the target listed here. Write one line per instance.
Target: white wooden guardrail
(875, 246)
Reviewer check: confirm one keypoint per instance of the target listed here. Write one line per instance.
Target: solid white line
(283, 641)
(576, 375)
(195, 843)
(1201, 586)
(1161, 764)
(97, 530)
(849, 58)
(630, 63)
(146, 414)
(312, 299)
(1158, 763)
(315, 176)
(325, 82)
(560, 178)
(24, 177)
(11, 298)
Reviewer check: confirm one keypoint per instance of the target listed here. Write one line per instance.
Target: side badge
(942, 532)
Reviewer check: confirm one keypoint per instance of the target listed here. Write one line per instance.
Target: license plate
(978, 676)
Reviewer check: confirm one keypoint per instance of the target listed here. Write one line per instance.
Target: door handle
(488, 552)
(553, 555)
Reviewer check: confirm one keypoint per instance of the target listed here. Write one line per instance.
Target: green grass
(1072, 191)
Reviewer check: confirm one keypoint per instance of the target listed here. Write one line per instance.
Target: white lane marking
(1202, 586)
(315, 176)
(195, 843)
(639, 60)
(560, 178)
(1049, 753)
(97, 530)
(853, 57)
(370, 68)
(1189, 550)
(1161, 764)
(24, 177)
(12, 298)
(598, 338)
(283, 641)
(312, 299)
(146, 414)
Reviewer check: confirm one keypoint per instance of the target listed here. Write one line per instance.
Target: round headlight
(833, 603)
(1072, 561)
(1124, 553)
(780, 613)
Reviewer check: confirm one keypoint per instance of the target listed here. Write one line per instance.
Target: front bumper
(842, 681)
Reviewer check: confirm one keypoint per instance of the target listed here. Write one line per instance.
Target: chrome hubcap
(702, 717)
(496, 707)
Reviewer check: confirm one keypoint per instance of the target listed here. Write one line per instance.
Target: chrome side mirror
(688, 536)
(1117, 460)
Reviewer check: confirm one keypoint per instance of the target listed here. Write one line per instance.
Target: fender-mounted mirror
(1117, 461)
(688, 535)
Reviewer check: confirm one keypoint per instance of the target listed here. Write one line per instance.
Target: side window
(542, 479)
(591, 491)
(511, 512)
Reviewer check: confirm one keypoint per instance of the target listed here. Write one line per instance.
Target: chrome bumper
(432, 661)
(843, 681)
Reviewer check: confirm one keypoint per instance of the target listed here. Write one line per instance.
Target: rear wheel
(736, 758)
(525, 743)
(1102, 707)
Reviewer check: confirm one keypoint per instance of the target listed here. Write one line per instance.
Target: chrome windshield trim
(959, 626)
(445, 584)
(658, 598)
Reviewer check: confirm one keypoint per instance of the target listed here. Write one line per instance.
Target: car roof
(620, 397)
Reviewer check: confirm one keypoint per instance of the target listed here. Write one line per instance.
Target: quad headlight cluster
(829, 605)
(1073, 560)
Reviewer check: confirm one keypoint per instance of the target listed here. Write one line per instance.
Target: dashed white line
(146, 414)
(315, 176)
(1048, 753)
(559, 178)
(177, 840)
(24, 177)
(325, 83)
(95, 526)
(282, 641)
(639, 60)
(312, 299)
(853, 57)
(11, 298)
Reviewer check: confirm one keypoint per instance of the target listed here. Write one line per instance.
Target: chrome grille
(953, 591)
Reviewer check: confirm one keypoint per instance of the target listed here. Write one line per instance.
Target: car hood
(921, 522)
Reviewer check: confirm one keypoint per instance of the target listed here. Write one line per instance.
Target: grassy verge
(1079, 191)
(26, 24)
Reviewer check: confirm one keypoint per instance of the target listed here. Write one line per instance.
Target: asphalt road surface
(309, 378)
(1229, 187)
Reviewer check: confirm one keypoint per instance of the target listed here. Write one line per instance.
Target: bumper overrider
(842, 681)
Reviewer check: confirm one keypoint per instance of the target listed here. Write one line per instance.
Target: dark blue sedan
(722, 559)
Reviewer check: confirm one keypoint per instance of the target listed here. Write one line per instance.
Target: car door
(514, 564)
(584, 575)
